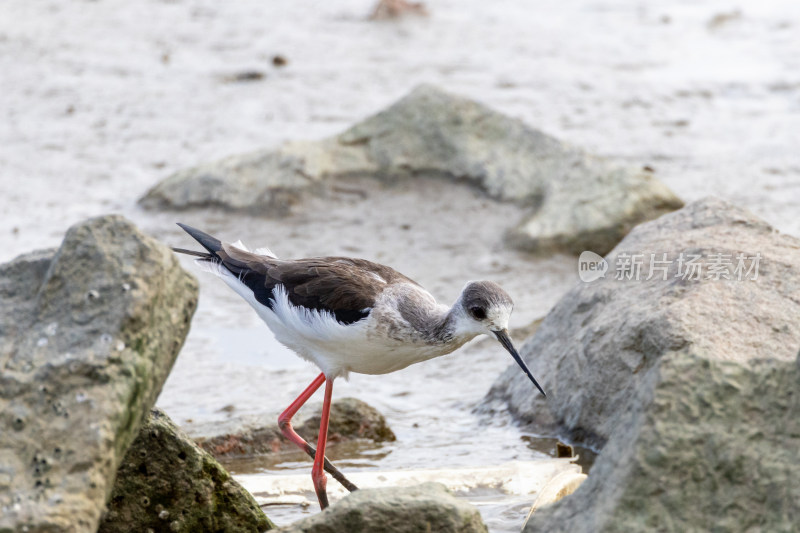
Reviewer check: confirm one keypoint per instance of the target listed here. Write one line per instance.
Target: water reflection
(353, 455)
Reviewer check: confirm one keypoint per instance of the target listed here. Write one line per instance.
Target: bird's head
(485, 309)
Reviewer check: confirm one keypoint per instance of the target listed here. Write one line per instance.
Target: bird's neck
(440, 328)
(450, 330)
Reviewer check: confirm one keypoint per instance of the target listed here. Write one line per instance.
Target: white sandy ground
(101, 99)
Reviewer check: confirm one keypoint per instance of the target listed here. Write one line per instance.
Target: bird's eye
(478, 312)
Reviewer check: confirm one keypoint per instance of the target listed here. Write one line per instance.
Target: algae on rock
(166, 482)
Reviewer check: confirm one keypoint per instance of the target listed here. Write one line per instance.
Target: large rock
(350, 419)
(88, 334)
(167, 483)
(600, 341)
(708, 445)
(689, 385)
(426, 507)
(578, 201)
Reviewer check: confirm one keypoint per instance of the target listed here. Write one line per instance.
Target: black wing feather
(341, 286)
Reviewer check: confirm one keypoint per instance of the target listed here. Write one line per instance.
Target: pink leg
(285, 420)
(285, 423)
(317, 472)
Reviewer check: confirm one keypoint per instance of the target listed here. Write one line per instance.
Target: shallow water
(103, 99)
(502, 492)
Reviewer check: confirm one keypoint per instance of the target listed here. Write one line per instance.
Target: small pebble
(247, 75)
(163, 515)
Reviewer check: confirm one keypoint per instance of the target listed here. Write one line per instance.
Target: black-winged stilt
(351, 315)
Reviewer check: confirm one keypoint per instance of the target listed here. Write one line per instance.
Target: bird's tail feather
(212, 244)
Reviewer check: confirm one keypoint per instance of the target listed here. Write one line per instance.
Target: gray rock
(578, 201)
(590, 205)
(262, 182)
(166, 482)
(600, 341)
(350, 419)
(706, 445)
(687, 385)
(426, 507)
(88, 334)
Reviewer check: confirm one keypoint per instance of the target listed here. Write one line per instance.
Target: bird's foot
(320, 483)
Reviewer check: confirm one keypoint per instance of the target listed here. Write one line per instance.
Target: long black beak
(504, 339)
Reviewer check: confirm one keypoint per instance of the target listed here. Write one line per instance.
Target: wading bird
(351, 315)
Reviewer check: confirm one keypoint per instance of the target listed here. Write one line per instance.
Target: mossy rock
(167, 483)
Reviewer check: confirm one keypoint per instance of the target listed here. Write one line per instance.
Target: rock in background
(167, 483)
(578, 201)
(350, 419)
(88, 334)
(426, 507)
(688, 385)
